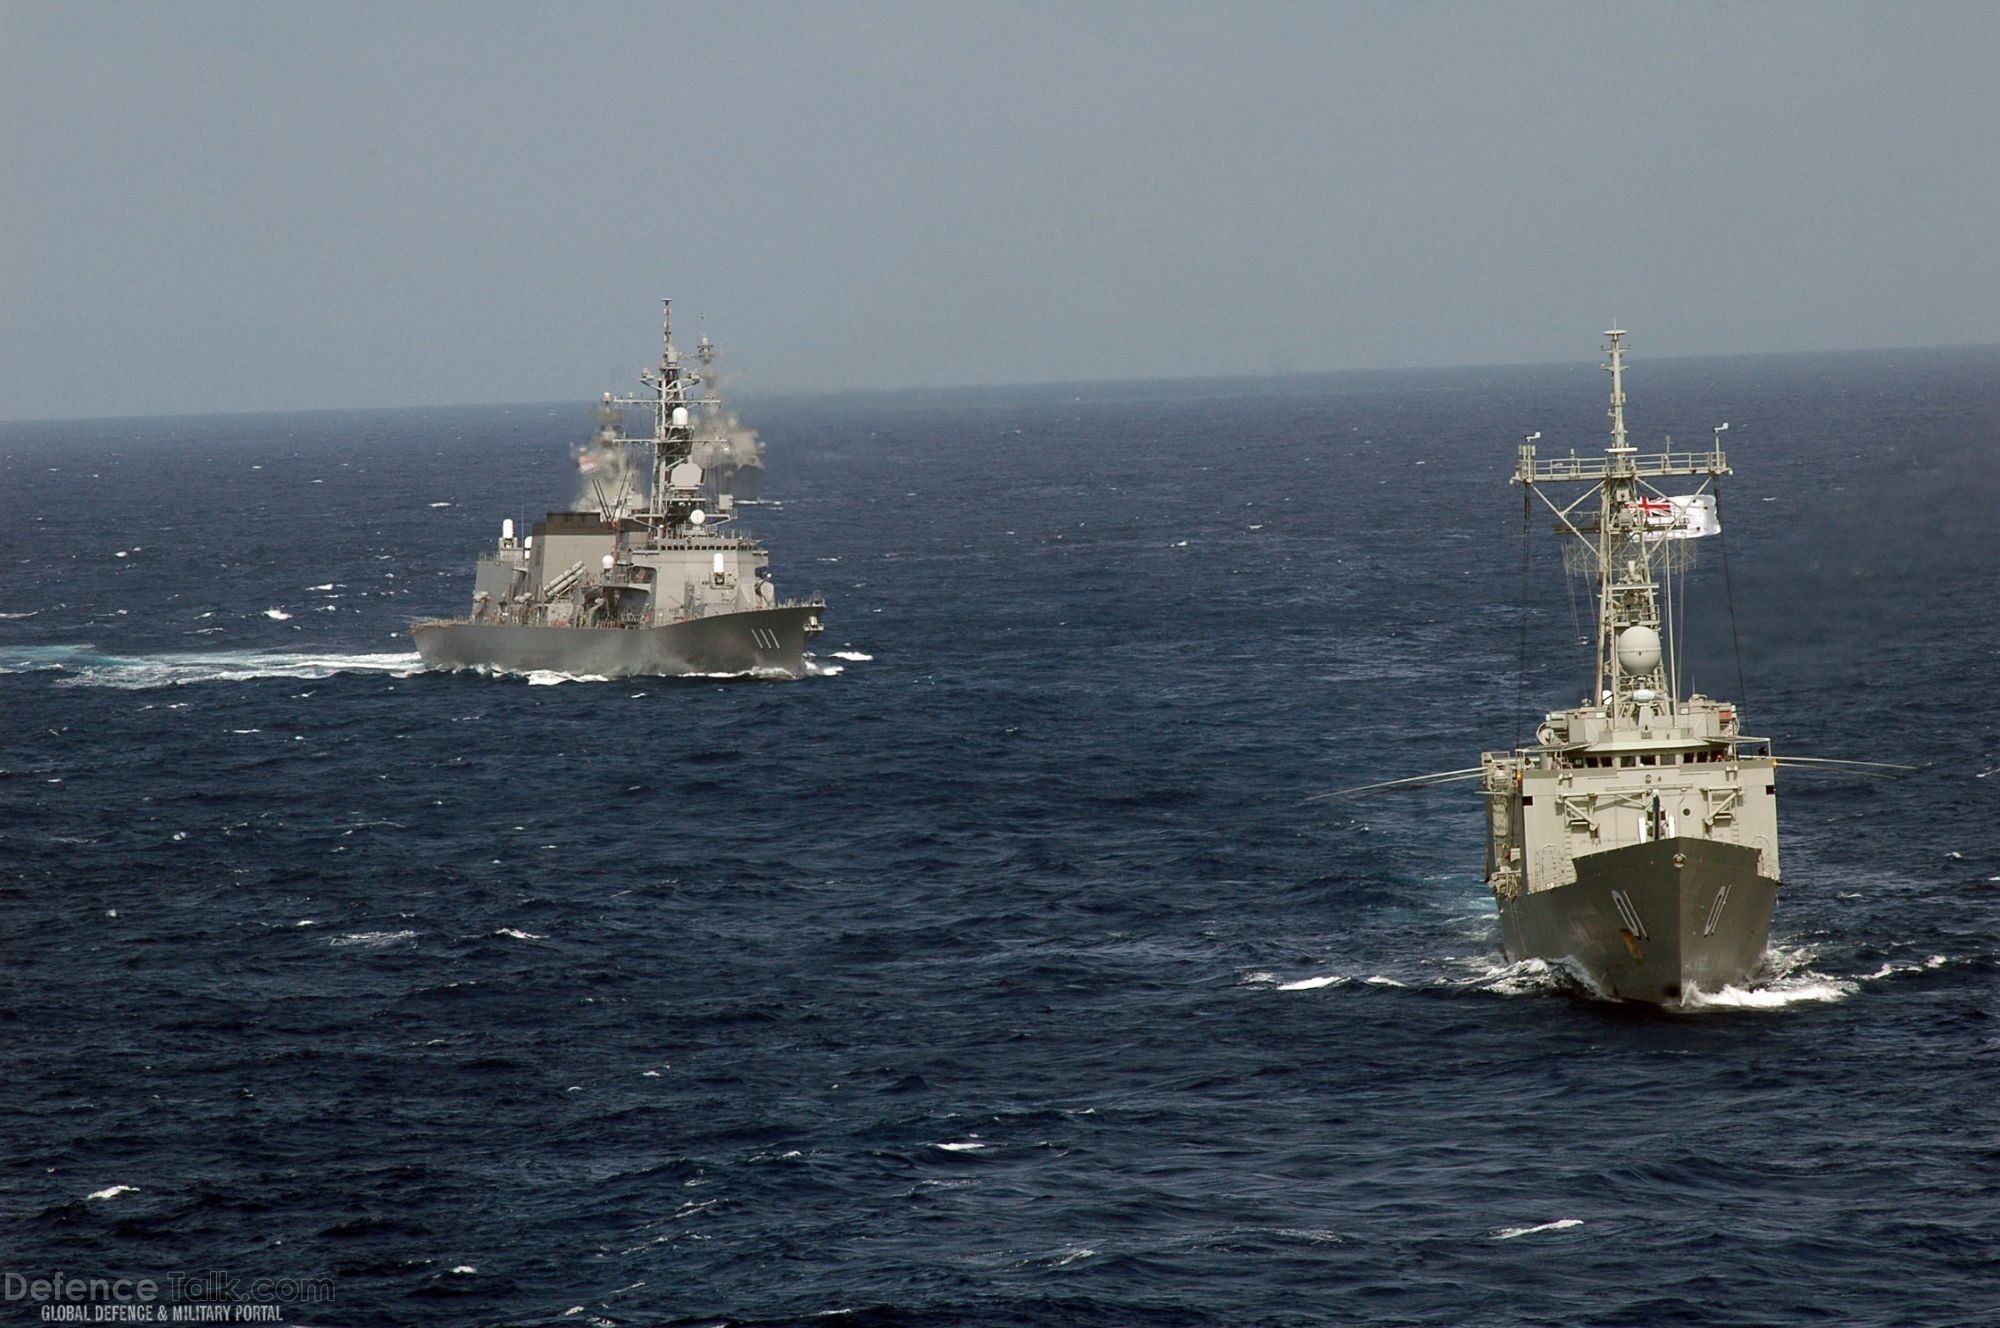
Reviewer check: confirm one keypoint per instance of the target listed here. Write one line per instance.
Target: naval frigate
(647, 578)
(1635, 842)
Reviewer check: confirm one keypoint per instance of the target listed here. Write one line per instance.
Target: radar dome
(1638, 650)
(680, 417)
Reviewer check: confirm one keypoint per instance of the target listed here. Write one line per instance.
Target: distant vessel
(1637, 840)
(643, 580)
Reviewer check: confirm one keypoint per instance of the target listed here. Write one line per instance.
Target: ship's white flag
(1687, 516)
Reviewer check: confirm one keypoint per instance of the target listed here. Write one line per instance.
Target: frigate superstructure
(1636, 840)
(649, 577)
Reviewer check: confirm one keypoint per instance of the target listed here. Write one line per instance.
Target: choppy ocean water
(999, 972)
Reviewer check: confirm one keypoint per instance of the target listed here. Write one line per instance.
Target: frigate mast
(1634, 675)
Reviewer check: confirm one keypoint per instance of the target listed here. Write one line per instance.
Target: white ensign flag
(1689, 516)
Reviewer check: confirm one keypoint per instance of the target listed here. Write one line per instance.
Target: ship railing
(1545, 470)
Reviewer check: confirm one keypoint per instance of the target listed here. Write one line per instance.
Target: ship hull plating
(762, 642)
(1652, 922)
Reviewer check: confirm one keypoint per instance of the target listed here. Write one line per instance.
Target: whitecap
(854, 655)
(1315, 1235)
(1561, 1224)
(373, 939)
(520, 935)
(276, 615)
(1314, 984)
(114, 1191)
(465, 1268)
(440, 504)
(962, 1146)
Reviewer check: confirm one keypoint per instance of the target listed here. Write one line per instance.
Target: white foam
(440, 504)
(276, 615)
(854, 655)
(551, 678)
(28, 614)
(520, 935)
(136, 672)
(1316, 1235)
(1795, 989)
(1526, 978)
(817, 670)
(1314, 984)
(373, 939)
(464, 1269)
(1561, 1224)
(962, 1146)
(33, 659)
(114, 1191)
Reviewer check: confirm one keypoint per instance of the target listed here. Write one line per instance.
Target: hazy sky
(251, 206)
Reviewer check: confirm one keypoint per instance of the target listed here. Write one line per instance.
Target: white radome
(1638, 650)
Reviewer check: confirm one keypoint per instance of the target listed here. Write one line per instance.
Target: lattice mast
(674, 494)
(1636, 668)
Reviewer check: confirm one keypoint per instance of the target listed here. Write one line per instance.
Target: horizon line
(919, 389)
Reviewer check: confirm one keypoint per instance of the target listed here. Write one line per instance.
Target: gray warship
(1636, 841)
(646, 578)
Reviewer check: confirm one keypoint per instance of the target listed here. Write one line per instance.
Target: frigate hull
(761, 642)
(1653, 922)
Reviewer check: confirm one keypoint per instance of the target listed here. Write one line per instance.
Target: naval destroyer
(648, 578)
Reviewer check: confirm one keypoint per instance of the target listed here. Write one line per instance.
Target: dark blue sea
(999, 972)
